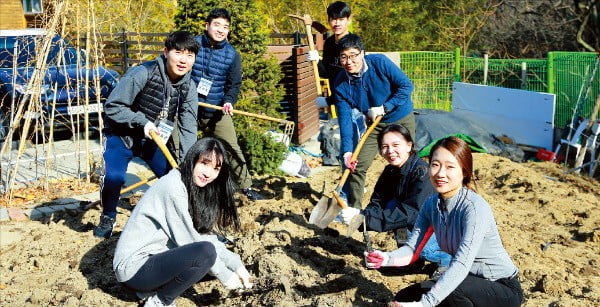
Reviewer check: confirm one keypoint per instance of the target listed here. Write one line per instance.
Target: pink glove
(228, 109)
(376, 259)
(348, 162)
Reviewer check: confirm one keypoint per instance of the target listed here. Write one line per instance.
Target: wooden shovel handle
(212, 106)
(356, 151)
(163, 148)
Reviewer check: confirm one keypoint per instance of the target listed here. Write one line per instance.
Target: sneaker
(104, 229)
(438, 273)
(154, 301)
(252, 195)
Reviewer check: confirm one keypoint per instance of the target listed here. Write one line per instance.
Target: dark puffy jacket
(220, 63)
(398, 195)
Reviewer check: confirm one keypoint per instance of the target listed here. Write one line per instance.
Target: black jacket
(405, 189)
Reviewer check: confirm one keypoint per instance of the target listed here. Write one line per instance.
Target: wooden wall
(11, 15)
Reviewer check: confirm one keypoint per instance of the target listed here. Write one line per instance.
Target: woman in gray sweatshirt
(481, 272)
(167, 244)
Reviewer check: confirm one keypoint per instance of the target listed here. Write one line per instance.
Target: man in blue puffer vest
(218, 76)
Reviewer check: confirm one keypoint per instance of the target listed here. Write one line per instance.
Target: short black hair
(351, 41)
(218, 13)
(338, 9)
(182, 40)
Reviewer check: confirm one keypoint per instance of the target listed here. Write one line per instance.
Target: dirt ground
(548, 222)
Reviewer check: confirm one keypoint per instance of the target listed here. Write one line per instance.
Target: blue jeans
(359, 127)
(116, 159)
(432, 253)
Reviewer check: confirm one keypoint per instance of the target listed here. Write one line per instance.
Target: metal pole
(485, 67)
(524, 76)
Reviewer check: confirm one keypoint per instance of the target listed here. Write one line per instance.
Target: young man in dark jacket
(156, 96)
(218, 75)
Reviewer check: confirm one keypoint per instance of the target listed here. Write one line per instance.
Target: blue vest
(212, 63)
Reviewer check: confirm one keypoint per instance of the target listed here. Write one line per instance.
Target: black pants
(174, 271)
(473, 291)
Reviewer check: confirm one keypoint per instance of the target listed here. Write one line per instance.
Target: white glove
(376, 259)
(228, 108)
(409, 304)
(234, 282)
(376, 111)
(350, 164)
(313, 55)
(149, 126)
(244, 276)
(348, 214)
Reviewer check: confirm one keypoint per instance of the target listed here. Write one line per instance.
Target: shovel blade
(333, 209)
(356, 221)
(318, 211)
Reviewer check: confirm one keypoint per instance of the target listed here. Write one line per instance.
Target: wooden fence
(127, 49)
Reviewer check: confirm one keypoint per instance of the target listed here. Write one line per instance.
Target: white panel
(524, 116)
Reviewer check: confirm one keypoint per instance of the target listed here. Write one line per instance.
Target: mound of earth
(548, 222)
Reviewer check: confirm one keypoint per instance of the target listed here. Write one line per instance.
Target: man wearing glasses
(375, 86)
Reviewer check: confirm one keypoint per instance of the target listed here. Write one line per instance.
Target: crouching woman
(481, 272)
(167, 244)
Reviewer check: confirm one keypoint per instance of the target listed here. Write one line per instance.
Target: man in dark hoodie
(156, 96)
(218, 75)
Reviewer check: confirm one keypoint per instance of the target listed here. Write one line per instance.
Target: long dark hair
(211, 206)
(461, 151)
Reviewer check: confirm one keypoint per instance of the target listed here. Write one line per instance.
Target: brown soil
(548, 222)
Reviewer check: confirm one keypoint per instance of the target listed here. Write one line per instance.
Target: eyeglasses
(352, 57)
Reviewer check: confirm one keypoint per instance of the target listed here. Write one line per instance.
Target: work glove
(234, 282)
(408, 304)
(228, 109)
(375, 111)
(376, 259)
(244, 276)
(149, 126)
(313, 55)
(350, 164)
(348, 214)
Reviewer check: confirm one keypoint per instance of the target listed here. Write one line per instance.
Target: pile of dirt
(548, 222)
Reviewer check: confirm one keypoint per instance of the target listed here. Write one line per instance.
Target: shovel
(327, 208)
(289, 125)
(85, 205)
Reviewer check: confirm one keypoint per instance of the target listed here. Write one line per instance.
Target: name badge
(165, 129)
(204, 86)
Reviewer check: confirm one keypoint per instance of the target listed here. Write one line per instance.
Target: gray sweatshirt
(161, 221)
(118, 106)
(464, 227)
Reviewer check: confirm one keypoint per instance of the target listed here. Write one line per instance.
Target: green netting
(571, 72)
(525, 74)
(432, 74)
(565, 74)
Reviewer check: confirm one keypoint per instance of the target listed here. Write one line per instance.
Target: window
(32, 6)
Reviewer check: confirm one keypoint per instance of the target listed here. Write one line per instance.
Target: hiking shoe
(104, 229)
(154, 301)
(252, 195)
(438, 273)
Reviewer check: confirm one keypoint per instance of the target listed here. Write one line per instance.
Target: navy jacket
(222, 64)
